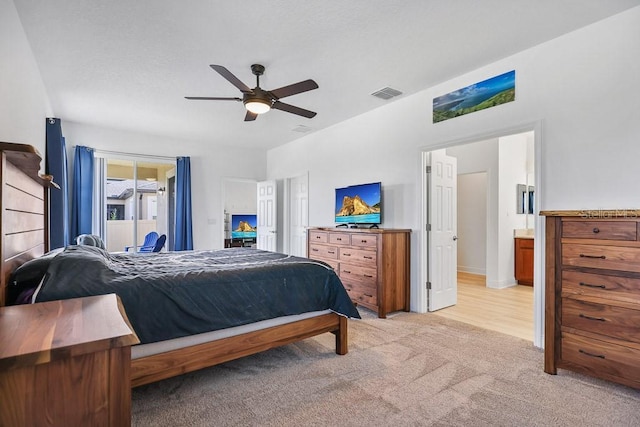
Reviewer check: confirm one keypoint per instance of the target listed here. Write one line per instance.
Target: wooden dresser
(373, 264)
(592, 294)
(66, 363)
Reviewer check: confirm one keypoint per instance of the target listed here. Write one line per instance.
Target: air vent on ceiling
(386, 93)
(302, 129)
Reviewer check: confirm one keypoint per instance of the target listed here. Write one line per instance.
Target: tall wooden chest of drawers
(592, 294)
(373, 264)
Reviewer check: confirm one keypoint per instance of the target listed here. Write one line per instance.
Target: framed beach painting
(485, 94)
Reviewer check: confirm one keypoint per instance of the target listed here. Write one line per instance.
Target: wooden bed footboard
(165, 365)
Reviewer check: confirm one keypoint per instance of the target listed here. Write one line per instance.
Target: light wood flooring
(508, 310)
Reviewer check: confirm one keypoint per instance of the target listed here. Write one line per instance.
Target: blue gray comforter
(175, 294)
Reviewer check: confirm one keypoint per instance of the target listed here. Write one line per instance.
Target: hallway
(508, 310)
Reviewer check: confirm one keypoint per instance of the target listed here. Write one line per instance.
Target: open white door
(267, 206)
(299, 215)
(442, 287)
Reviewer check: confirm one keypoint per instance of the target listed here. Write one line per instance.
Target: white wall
(582, 88)
(24, 103)
(482, 156)
(472, 223)
(512, 160)
(208, 170)
(240, 196)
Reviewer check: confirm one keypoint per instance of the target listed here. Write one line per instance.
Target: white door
(299, 215)
(442, 257)
(267, 216)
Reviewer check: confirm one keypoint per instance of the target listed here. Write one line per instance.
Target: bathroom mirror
(522, 196)
(525, 199)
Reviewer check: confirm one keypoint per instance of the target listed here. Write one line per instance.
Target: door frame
(539, 232)
(288, 202)
(225, 181)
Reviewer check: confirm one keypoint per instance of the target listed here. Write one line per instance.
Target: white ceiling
(128, 64)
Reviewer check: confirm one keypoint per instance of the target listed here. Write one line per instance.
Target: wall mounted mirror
(525, 197)
(522, 196)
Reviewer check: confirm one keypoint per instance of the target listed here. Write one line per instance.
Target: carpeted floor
(407, 370)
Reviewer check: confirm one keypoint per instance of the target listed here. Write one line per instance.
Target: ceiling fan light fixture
(258, 101)
(257, 105)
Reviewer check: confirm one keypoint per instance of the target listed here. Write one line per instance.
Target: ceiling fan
(259, 101)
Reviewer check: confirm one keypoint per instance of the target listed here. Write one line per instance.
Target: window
(131, 199)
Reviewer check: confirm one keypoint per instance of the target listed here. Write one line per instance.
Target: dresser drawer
(600, 357)
(364, 240)
(601, 286)
(318, 236)
(362, 293)
(600, 256)
(322, 251)
(359, 256)
(604, 319)
(606, 230)
(332, 263)
(356, 273)
(340, 239)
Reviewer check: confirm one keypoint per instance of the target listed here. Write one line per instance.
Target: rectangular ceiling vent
(386, 93)
(302, 129)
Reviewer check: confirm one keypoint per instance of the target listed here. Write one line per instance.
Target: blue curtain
(82, 199)
(56, 165)
(184, 235)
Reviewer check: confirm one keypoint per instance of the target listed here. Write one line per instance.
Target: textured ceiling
(128, 64)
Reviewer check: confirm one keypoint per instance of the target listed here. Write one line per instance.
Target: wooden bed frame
(24, 235)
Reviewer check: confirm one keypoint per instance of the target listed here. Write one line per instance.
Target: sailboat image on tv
(359, 204)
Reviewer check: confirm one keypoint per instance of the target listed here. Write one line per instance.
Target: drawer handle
(331, 252)
(367, 275)
(599, 319)
(367, 295)
(586, 353)
(346, 254)
(346, 271)
(339, 239)
(596, 230)
(593, 256)
(314, 250)
(367, 257)
(363, 241)
(589, 285)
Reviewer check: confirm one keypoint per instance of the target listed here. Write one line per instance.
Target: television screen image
(359, 204)
(244, 226)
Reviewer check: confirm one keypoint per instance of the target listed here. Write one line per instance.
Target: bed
(180, 342)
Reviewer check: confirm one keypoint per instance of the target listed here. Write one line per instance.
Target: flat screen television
(359, 204)
(244, 226)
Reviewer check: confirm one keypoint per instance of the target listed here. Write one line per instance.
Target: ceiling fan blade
(250, 116)
(212, 98)
(293, 109)
(232, 79)
(294, 89)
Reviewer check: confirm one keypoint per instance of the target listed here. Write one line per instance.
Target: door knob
(455, 238)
